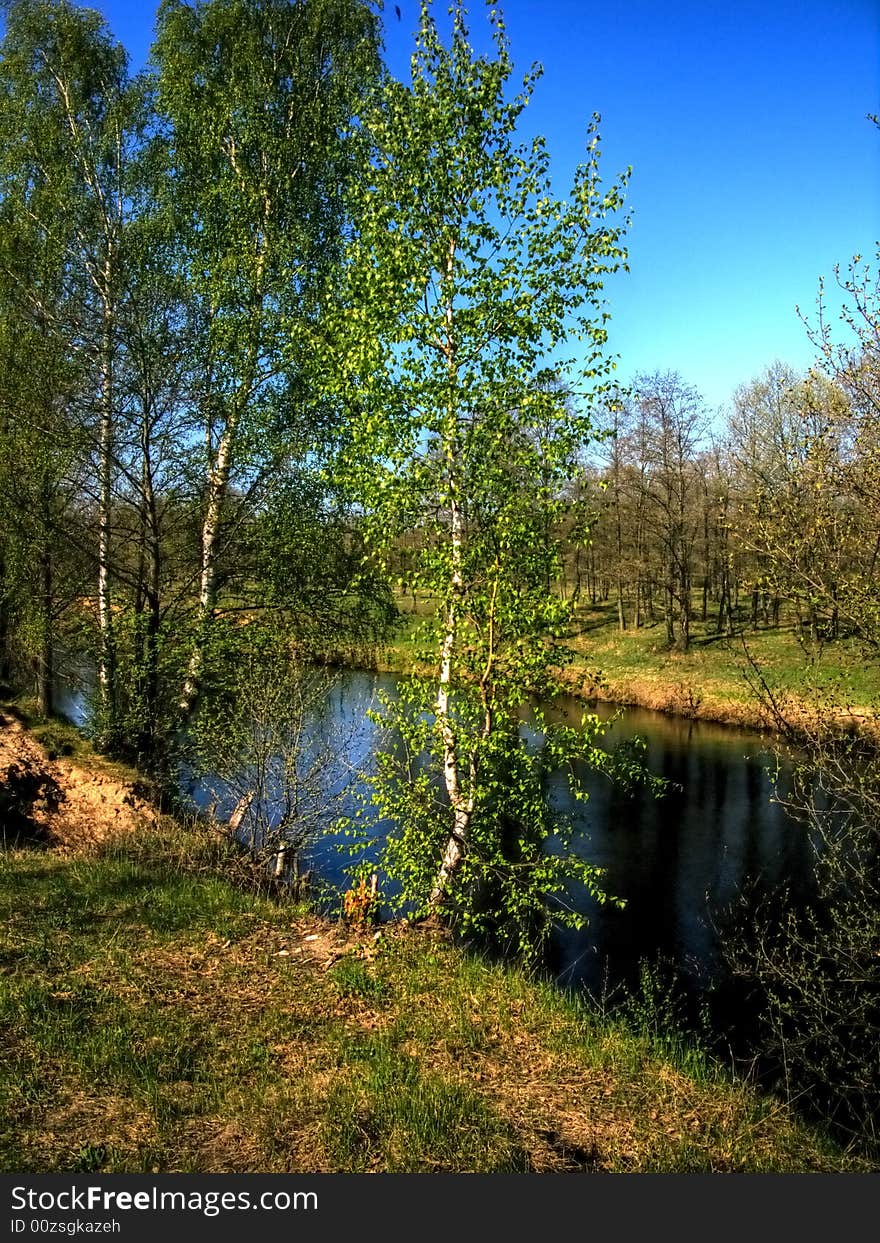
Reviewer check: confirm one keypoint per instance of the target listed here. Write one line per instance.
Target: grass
(418, 1119)
(57, 737)
(713, 680)
(155, 1017)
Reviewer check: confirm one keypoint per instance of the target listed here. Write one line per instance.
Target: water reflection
(681, 861)
(678, 862)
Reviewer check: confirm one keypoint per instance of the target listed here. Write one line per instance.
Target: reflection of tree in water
(680, 861)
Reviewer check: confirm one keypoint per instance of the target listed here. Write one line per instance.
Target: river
(682, 863)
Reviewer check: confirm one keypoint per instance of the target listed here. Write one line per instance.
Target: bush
(817, 970)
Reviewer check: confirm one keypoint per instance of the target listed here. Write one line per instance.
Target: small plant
(89, 1159)
(656, 1010)
(360, 904)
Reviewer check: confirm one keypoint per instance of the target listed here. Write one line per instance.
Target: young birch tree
(71, 120)
(467, 281)
(255, 96)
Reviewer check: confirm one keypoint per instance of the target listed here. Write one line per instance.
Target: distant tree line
(764, 516)
(767, 518)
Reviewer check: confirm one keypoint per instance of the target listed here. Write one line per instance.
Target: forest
(300, 362)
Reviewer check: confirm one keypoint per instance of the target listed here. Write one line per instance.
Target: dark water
(680, 862)
(684, 863)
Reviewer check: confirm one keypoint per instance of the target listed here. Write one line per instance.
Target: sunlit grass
(386, 1113)
(714, 679)
(154, 1016)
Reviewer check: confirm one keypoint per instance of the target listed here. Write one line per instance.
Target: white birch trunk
(105, 496)
(462, 805)
(218, 482)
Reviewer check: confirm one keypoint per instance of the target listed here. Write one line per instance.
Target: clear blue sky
(755, 170)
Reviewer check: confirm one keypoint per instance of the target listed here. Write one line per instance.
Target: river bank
(162, 1015)
(719, 679)
(50, 799)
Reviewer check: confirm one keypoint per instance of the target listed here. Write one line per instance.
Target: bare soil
(60, 802)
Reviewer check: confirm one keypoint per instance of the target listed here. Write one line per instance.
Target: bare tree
(674, 423)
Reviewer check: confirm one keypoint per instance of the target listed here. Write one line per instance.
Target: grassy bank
(157, 1017)
(714, 680)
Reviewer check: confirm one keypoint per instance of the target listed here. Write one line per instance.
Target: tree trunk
(621, 615)
(149, 614)
(669, 603)
(218, 485)
(640, 564)
(106, 653)
(576, 594)
(462, 806)
(218, 482)
(45, 657)
(706, 568)
(684, 603)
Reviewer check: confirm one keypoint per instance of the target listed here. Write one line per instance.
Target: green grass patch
(354, 978)
(387, 1114)
(155, 1016)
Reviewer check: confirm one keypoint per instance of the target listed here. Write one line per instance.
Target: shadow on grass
(78, 900)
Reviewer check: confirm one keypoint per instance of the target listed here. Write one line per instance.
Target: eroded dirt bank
(61, 802)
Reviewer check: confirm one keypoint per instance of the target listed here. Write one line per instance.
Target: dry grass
(156, 1017)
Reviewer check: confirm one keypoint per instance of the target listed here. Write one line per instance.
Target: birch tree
(71, 120)
(254, 96)
(474, 332)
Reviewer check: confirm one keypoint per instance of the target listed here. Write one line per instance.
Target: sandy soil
(59, 801)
